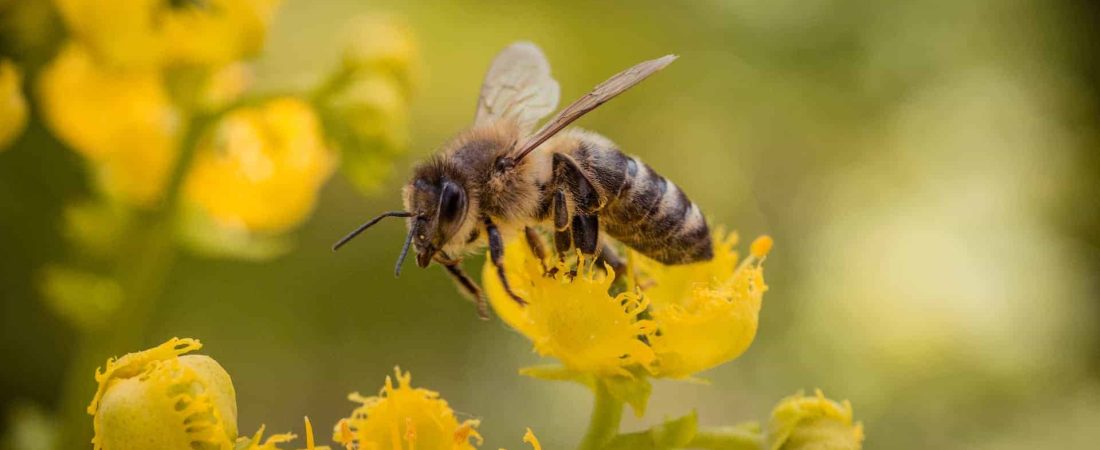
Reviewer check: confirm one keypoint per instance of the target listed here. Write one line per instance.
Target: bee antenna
(404, 252)
(369, 224)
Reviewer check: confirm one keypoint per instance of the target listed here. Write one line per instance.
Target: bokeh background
(929, 170)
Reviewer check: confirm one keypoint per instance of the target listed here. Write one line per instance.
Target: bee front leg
(496, 254)
(470, 287)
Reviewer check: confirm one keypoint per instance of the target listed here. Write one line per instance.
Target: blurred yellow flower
(123, 122)
(700, 315)
(13, 106)
(574, 320)
(369, 95)
(217, 31)
(383, 43)
(372, 129)
(159, 400)
(706, 313)
(261, 167)
(800, 422)
(152, 33)
(224, 85)
(84, 299)
(402, 418)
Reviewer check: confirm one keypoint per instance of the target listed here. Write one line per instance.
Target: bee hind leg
(470, 288)
(534, 241)
(496, 255)
(608, 255)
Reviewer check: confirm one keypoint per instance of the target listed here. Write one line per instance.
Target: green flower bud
(159, 400)
(800, 422)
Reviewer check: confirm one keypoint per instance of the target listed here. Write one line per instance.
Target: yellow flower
(701, 315)
(13, 107)
(706, 313)
(574, 320)
(401, 418)
(261, 167)
(159, 400)
(813, 423)
(152, 33)
(123, 122)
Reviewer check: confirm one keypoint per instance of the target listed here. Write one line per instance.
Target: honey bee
(501, 176)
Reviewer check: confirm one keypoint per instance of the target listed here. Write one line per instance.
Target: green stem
(149, 256)
(604, 423)
(727, 438)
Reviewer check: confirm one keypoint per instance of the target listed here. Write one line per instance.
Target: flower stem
(149, 257)
(604, 423)
(727, 438)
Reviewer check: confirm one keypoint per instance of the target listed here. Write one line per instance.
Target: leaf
(633, 391)
(672, 434)
(553, 372)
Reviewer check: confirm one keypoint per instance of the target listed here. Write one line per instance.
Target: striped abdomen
(641, 208)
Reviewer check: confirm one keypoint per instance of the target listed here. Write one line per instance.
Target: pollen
(761, 246)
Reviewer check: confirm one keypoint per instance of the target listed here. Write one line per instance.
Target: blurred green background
(929, 170)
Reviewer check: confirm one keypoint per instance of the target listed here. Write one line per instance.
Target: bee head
(440, 205)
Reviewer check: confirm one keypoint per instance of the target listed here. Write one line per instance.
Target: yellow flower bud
(261, 167)
(383, 43)
(574, 320)
(800, 422)
(159, 400)
(123, 122)
(153, 33)
(402, 417)
(13, 106)
(371, 128)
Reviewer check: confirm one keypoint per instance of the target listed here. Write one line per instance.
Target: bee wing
(518, 86)
(600, 94)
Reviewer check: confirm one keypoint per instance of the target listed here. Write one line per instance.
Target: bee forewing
(518, 86)
(600, 94)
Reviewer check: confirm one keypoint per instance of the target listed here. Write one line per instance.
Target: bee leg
(611, 257)
(470, 288)
(496, 254)
(563, 239)
(535, 242)
(586, 233)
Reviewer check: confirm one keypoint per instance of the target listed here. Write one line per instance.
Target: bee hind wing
(518, 86)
